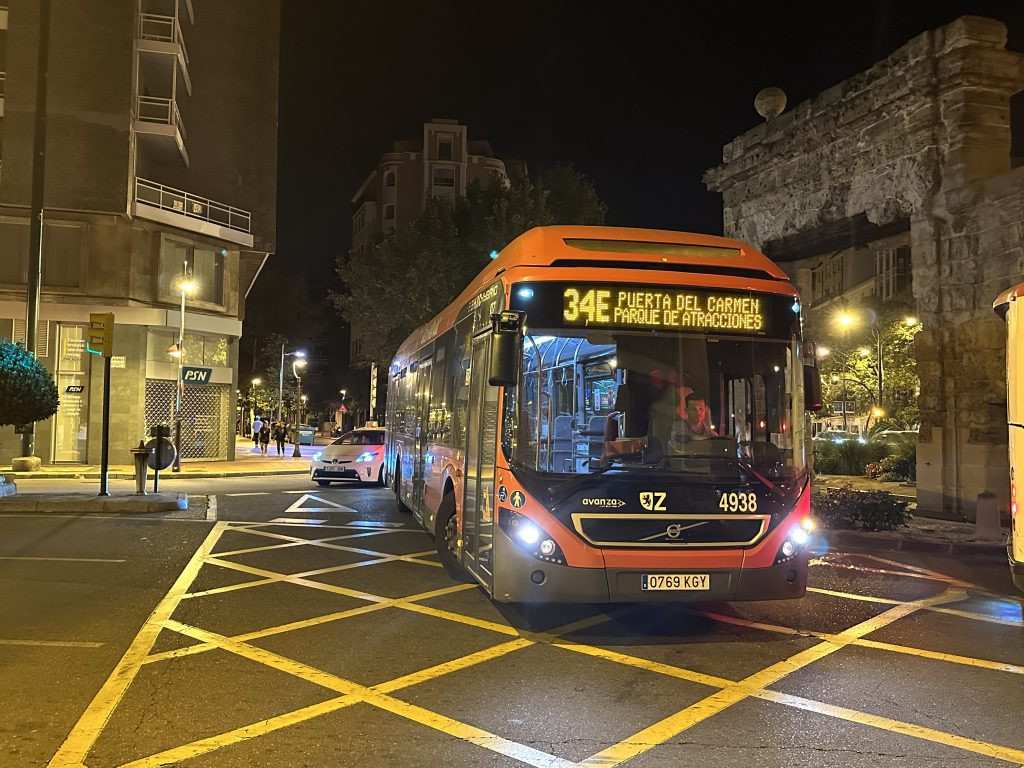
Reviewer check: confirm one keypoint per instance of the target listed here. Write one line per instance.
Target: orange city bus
(1010, 306)
(609, 414)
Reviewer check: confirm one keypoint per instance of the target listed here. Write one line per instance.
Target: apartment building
(442, 162)
(161, 154)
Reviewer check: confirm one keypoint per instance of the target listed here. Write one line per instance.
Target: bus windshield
(700, 407)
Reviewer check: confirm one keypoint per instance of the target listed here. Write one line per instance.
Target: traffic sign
(101, 334)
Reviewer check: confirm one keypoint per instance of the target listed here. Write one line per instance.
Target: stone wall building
(161, 150)
(911, 157)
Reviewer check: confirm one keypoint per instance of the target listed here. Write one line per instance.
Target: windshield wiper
(570, 485)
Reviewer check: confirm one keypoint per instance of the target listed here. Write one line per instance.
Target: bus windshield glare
(702, 408)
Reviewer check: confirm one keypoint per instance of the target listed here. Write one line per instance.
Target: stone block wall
(923, 136)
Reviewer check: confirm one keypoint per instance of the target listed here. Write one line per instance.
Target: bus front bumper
(520, 578)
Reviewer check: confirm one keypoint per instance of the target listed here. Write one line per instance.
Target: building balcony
(161, 45)
(159, 128)
(184, 210)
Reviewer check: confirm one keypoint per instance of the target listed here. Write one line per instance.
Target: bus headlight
(796, 541)
(529, 536)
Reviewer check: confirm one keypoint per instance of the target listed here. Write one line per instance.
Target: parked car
(356, 455)
(838, 436)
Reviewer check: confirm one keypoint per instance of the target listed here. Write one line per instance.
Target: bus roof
(1002, 302)
(608, 247)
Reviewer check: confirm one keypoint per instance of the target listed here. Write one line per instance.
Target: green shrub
(866, 510)
(826, 457)
(901, 465)
(873, 470)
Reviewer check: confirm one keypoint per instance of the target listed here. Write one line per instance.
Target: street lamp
(297, 365)
(845, 321)
(255, 382)
(342, 425)
(299, 353)
(185, 285)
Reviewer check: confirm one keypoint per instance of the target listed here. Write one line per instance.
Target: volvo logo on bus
(674, 530)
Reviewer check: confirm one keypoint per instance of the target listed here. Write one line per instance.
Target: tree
(27, 391)
(407, 275)
(853, 358)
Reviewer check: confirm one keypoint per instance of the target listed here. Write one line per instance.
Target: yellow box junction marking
(76, 747)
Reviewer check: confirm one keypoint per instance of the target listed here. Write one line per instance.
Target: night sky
(639, 96)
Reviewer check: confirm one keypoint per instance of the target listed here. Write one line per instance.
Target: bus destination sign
(686, 309)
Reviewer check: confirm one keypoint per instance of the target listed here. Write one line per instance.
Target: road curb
(121, 505)
(897, 541)
(165, 475)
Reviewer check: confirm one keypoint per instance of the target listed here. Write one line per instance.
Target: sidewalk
(904, 491)
(246, 464)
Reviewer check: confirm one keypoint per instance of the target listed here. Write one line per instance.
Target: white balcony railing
(193, 206)
(156, 109)
(162, 29)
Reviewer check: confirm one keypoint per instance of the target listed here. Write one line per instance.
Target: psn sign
(191, 375)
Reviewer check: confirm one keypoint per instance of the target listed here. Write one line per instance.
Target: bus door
(481, 441)
(421, 435)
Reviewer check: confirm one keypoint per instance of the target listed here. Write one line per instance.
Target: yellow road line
(932, 608)
(52, 643)
(865, 643)
(246, 732)
(641, 663)
(723, 699)
(454, 665)
(412, 712)
(83, 735)
(457, 617)
(303, 623)
(896, 726)
(938, 576)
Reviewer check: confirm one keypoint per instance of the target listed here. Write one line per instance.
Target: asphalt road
(314, 627)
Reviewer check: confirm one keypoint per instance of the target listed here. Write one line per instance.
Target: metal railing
(156, 109)
(193, 206)
(162, 29)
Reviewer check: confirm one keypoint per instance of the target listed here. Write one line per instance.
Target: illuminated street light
(864, 351)
(823, 352)
(845, 320)
(910, 322)
(280, 379)
(878, 412)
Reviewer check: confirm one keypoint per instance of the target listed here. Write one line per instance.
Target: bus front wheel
(446, 538)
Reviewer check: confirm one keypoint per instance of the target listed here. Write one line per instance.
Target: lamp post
(343, 411)
(186, 286)
(252, 403)
(845, 321)
(299, 353)
(296, 366)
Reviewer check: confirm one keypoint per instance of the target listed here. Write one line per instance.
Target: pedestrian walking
(257, 425)
(280, 435)
(264, 437)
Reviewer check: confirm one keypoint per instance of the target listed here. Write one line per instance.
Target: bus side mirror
(812, 388)
(506, 348)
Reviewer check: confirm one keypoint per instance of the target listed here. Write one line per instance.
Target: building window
(444, 177)
(62, 256)
(892, 271)
(445, 148)
(389, 179)
(205, 269)
(14, 247)
(827, 279)
(389, 212)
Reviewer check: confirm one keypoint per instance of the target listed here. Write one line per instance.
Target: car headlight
(316, 456)
(367, 456)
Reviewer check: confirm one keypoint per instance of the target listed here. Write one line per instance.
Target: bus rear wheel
(446, 539)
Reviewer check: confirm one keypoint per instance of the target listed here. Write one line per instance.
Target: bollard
(986, 520)
(141, 455)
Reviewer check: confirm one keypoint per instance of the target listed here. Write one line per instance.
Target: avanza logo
(603, 503)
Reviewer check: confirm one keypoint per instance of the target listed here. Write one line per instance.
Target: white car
(356, 455)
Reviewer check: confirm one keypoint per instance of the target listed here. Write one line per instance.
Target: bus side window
(438, 404)
(459, 372)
